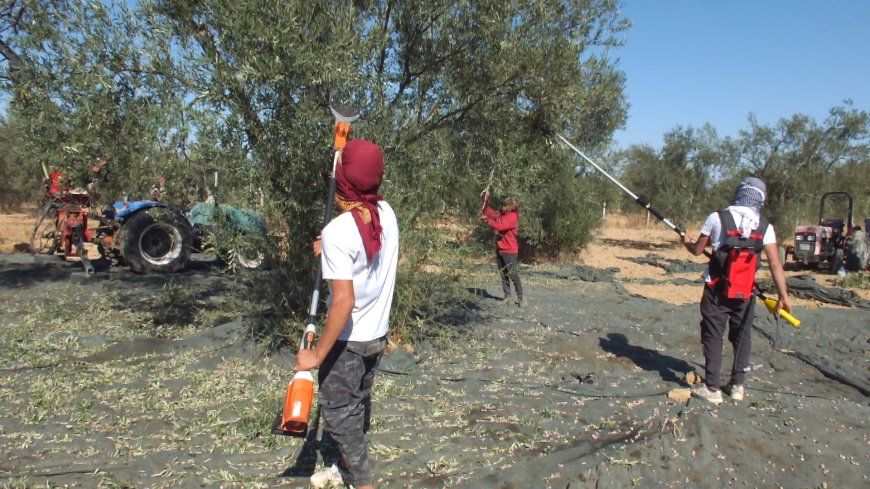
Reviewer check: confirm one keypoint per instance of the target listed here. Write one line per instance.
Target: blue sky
(692, 62)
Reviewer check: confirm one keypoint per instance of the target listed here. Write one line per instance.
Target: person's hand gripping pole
(773, 307)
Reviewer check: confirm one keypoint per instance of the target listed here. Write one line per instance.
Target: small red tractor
(831, 240)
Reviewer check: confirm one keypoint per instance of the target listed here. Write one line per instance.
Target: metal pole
(629, 192)
(642, 201)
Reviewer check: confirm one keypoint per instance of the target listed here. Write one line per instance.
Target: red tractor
(62, 225)
(825, 241)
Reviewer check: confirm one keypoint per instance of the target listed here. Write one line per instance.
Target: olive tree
(799, 159)
(450, 89)
(88, 81)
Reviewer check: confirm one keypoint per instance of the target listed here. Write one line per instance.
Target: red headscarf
(357, 180)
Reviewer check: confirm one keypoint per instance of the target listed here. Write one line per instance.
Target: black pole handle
(644, 202)
(330, 201)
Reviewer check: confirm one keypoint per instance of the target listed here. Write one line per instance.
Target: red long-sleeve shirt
(506, 226)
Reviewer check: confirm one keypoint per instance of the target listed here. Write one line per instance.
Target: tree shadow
(23, 270)
(669, 368)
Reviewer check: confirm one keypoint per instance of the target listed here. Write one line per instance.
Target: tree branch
(253, 126)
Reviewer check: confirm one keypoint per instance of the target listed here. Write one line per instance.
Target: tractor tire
(45, 239)
(857, 252)
(156, 240)
(249, 259)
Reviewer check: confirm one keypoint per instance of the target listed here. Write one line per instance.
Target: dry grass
(631, 237)
(15, 229)
(625, 237)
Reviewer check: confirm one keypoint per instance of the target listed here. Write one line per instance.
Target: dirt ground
(16, 228)
(102, 386)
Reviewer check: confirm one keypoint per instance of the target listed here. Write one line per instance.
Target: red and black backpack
(736, 260)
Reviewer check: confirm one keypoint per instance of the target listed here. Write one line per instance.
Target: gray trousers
(345, 383)
(508, 269)
(718, 313)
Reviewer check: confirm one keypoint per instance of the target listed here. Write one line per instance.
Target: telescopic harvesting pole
(344, 116)
(642, 201)
(293, 420)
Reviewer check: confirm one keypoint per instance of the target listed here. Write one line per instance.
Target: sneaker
(334, 476)
(704, 392)
(737, 392)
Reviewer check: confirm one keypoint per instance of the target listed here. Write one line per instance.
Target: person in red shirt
(505, 223)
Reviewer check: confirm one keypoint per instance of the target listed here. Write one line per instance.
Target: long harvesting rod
(643, 202)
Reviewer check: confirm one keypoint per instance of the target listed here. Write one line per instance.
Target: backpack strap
(720, 254)
(728, 227)
(760, 231)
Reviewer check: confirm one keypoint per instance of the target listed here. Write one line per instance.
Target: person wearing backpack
(737, 236)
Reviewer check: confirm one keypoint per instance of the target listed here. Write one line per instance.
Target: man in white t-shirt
(359, 254)
(721, 306)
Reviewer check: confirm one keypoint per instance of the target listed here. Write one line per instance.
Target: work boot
(706, 393)
(520, 301)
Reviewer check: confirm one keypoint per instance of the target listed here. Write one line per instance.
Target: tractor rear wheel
(156, 240)
(248, 258)
(857, 251)
(45, 238)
